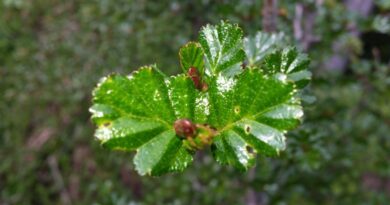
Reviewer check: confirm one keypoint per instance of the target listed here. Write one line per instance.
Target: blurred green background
(52, 54)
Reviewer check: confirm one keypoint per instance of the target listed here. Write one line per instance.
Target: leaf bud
(185, 128)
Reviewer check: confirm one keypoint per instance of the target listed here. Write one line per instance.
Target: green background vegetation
(52, 54)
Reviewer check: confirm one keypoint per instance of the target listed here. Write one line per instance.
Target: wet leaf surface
(249, 111)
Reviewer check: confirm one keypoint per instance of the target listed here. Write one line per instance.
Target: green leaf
(136, 113)
(265, 50)
(161, 155)
(288, 64)
(241, 112)
(230, 148)
(191, 55)
(252, 112)
(258, 46)
(223, 48)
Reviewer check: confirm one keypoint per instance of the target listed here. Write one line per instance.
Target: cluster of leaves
(52, 52)
(248, 107)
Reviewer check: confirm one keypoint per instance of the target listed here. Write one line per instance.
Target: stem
(206, 133)
(203, 137)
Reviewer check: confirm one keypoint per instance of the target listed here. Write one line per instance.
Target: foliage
(52, 53)
(241, 112)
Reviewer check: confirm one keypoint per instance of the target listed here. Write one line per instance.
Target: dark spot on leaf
(247, 129)
(237, 109)
(106, 124)
(243, 65)
(249, 149)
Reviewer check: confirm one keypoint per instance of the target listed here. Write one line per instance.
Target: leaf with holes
(237, 112)
(251, 112)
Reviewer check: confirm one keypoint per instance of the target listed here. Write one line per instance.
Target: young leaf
(191, 55)
(258, 46)
(288, 64)
(223, 48)
(239, 112)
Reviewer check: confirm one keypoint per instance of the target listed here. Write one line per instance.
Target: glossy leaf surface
(258, 46)
(288, 64)
(252, 112)
(136, 113)
(223, 48)
(243, 112)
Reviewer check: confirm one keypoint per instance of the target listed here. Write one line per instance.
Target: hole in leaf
(247, 129)
(249, 149)
(237, 109)
(243, 65)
